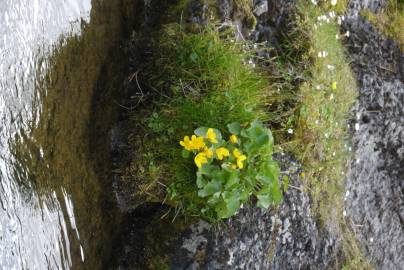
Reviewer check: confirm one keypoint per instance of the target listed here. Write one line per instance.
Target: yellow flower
(334, 86)
(197, 142)
(208, 152)
(211, 135)
(200, 159)
(239, 157)
(233, 138)
(237, 153)
(222, 152)
(240, 161)
(186, 143)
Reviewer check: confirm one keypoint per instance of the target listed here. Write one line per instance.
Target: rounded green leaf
(234, 128)
(210, 188)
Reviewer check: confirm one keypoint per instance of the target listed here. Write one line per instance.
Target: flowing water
(61, 60)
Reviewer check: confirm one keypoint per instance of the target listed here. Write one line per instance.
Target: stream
(62, 63)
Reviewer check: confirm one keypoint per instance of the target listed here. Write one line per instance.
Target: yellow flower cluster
(204, 152)
(195, 143)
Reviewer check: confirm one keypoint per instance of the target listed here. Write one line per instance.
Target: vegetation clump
(321, 141)
(320, 127)
(229, 172)
(203, 79)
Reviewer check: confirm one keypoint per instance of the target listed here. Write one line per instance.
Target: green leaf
(285, 183)
(232, 203)
(221, 209)
(245, 195)
(210, 188)
(209, 170)
(258, 136)
(276, 192)
(218, 134)
(231, 179)
(234, 128)
(201, 131)
(264, 201)
(200, 181)
(214, 199)
(259, 141)
(185, 153)
(232, 206)
(250, 176)
(268, 173)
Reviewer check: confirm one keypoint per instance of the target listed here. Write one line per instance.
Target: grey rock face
(260, 8)
(375, 185)
(286, 238)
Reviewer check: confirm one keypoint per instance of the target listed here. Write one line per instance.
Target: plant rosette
(230, 171)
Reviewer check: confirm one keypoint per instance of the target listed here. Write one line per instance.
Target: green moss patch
(320, 140)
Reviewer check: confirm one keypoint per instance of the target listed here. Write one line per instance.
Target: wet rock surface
(375, 185)
(285, 238)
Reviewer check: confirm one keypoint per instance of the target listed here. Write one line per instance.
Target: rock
(286, 238)
(375, 184)
(261, 8)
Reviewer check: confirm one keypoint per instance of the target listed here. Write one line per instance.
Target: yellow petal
(208, 153)
(186, 143)
(200, 159)
(197, 143)
(233, 139)
(240, 163)
(211, 135)
(334, 86)
(222, 152)
(236, 153)
(240, 160)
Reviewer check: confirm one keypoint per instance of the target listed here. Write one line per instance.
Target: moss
(390, 21)
(244, 9)
(320, 140)
(321, 125)
(158, 263)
